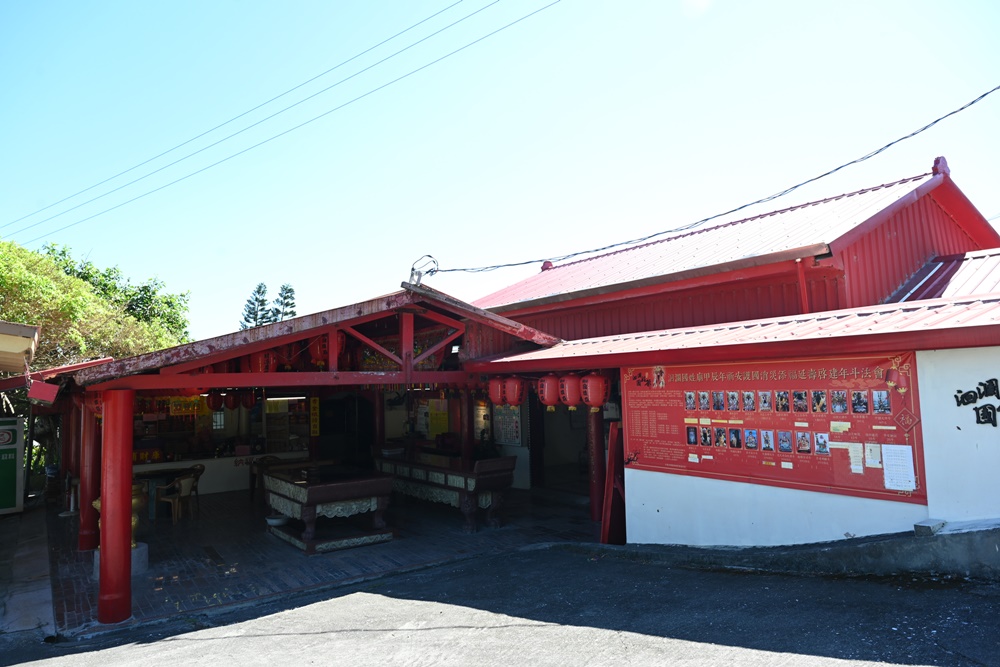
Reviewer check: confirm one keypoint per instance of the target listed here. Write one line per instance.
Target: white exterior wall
(962, 458)
(662, 508)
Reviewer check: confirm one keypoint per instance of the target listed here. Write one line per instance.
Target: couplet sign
(846, 425)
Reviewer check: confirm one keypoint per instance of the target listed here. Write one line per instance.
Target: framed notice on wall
(846, 425)
(507, 425)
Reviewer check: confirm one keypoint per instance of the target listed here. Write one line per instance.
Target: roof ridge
(745, 220)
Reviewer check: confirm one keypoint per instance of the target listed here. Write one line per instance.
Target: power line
(684, 228)
(252, 125)
(221, 125)
(300, 125)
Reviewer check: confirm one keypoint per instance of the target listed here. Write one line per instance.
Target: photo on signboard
(689, 400)
(822, 443)
(800, 401)
(859, 402)
(784, 441)
(750, 438)
(880, 402)
(706, 436)
(781, 402)
(838, 401)
(718, 400)
(734, 401)
(703, 402)
(692, 435)
(720, 437)
(803, 442)
(749, 401)
(767, 441)
(819, 400)
(764, 400)
(735, 441)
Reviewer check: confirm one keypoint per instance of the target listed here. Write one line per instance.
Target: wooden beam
(267, 380)
(493, 320)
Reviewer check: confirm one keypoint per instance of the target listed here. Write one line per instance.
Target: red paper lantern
(569, 390)
(496, 390)
(263, 362)
(214, 401)
(595, 390)
(513, 391)
(93, 401)
(231, 400)
(319, 351)
(248, 399)
(548, 391)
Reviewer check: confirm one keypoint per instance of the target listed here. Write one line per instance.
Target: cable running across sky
(693, 225)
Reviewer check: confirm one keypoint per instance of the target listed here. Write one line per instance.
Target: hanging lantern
(263, 362)
(513, 391)
(283, 355)
(548, 391)
(903, 383)
(231, 400)
(569, 390)
(496, 390)
(248, 399)
(892, 377)
(94, 402)
(319, 351)
(214, 401)
(595, 390)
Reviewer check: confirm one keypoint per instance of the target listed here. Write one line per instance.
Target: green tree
(256, 311)
(284, 305)
(80, 321)
(81, 318)
(146, 301)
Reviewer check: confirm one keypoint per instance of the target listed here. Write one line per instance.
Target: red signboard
(847, 425)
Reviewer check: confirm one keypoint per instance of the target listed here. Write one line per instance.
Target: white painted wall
(961, 457)
(678, 509)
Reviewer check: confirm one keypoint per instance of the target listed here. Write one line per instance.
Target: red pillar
(114, 602)
(90, 479)
(595, 450)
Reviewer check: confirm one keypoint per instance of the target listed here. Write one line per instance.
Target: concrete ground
(538, 590)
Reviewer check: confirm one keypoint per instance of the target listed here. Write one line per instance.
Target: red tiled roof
(800, 227)
(817, 333)
(955, 276)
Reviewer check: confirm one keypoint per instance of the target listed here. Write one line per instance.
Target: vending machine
(11, 462)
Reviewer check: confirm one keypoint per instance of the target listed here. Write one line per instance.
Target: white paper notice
(873, 455)
(854, 452)
(897, 462)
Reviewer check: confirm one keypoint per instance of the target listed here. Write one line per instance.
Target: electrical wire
(252, 125)
(231, 120)
(693, 225)
(303, 124)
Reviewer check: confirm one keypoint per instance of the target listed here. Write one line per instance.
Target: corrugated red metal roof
(805, 226)
(928, 318)
(954, 276)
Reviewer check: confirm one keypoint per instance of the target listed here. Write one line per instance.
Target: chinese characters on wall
(846, 425)
(986, 413)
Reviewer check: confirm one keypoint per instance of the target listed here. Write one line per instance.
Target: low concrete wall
(971, 554)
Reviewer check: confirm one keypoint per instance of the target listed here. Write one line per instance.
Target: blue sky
(586, 123)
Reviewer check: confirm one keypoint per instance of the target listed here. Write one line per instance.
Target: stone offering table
(336, 492)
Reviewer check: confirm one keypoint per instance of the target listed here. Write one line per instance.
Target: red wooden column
(595, 451)
(406, 344)
(90, 479)
(114, 602)
(379, 420)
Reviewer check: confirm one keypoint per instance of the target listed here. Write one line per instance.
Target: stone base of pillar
(140, 560)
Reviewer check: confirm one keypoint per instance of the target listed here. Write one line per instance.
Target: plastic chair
(197, 470)
(178, 494)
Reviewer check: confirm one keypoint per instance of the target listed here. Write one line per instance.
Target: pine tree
(256, 312)
(284, 305)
